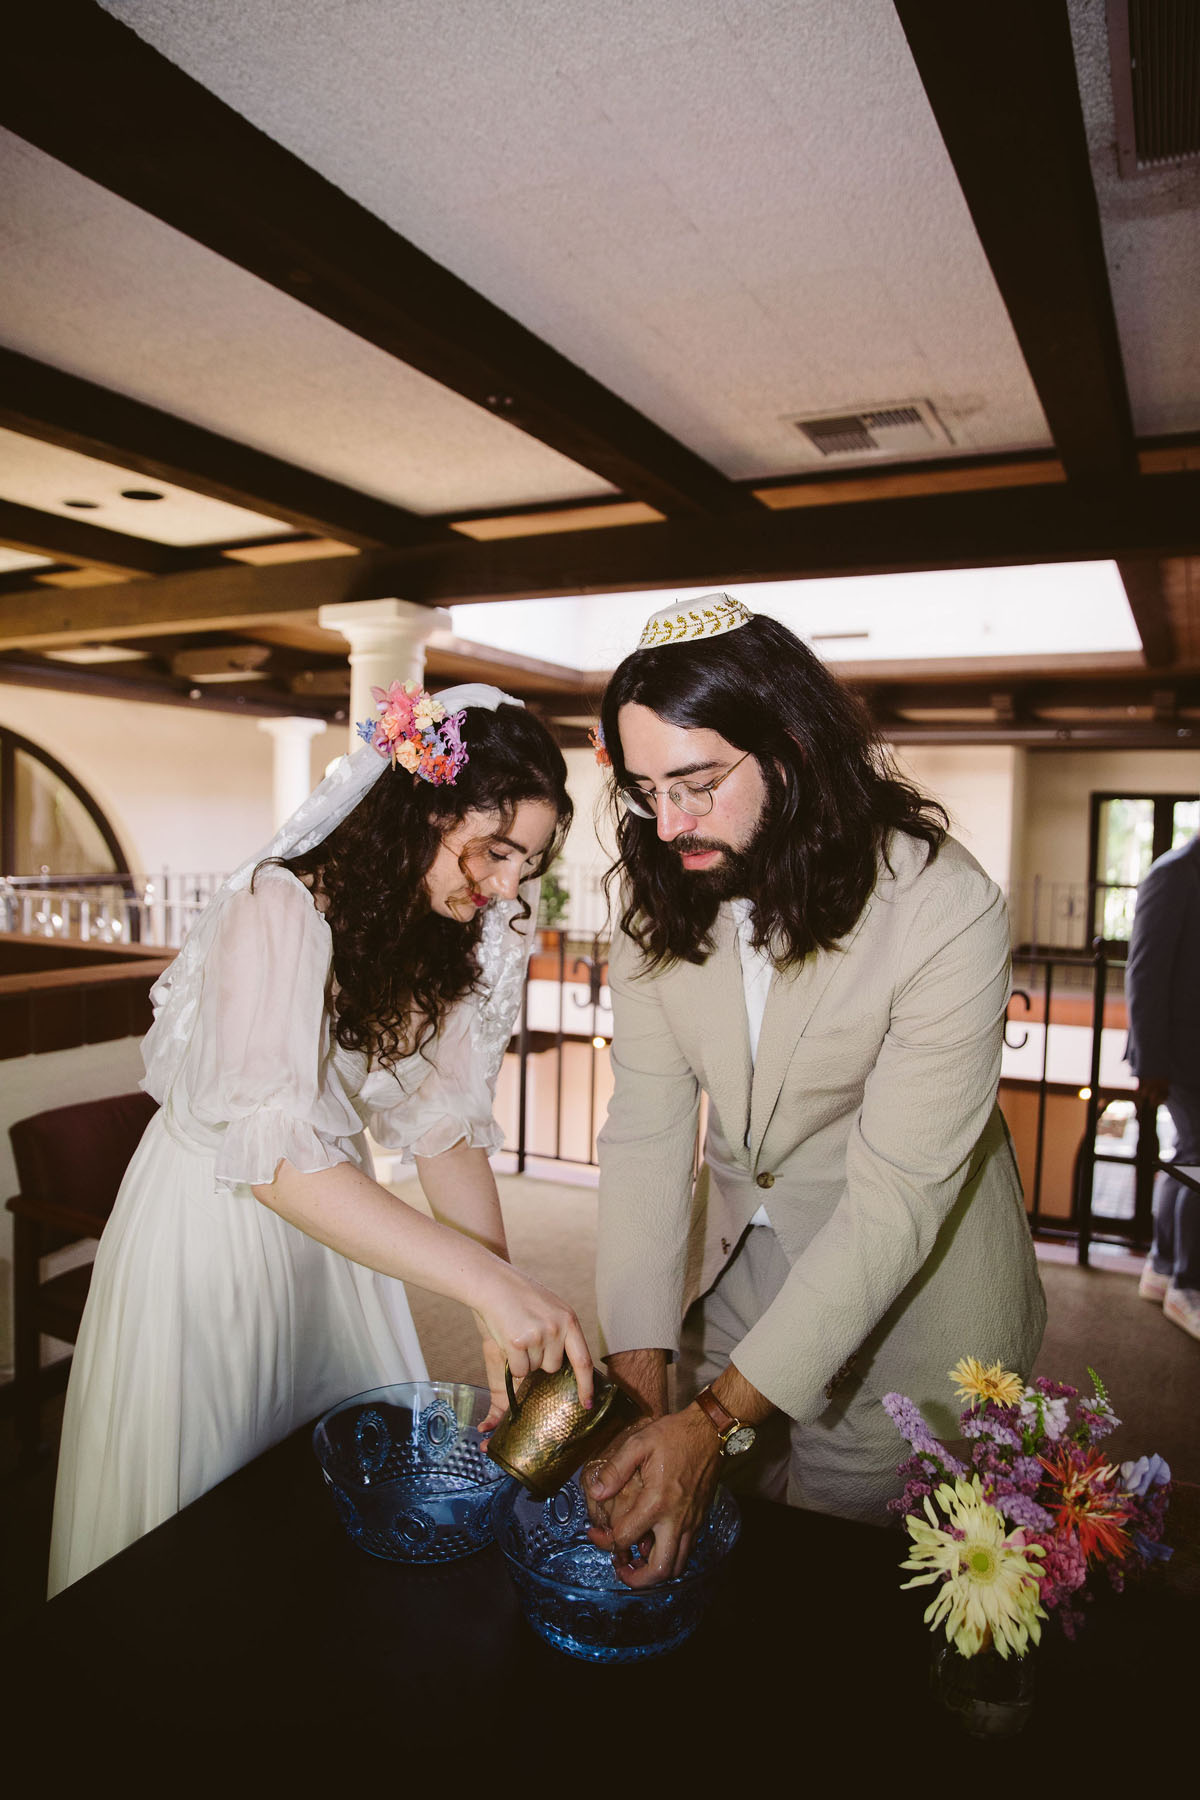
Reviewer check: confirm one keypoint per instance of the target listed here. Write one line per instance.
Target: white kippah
(707, 617)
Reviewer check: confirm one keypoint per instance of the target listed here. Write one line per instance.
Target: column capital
(294, 729)
(387, 641)
(368, 618)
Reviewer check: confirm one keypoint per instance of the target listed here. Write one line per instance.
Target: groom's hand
(648, 1495)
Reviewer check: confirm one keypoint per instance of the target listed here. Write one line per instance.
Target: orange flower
(1087, 1503)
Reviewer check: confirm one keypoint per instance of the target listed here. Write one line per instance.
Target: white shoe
(1182, 1307)
(1152, 1285)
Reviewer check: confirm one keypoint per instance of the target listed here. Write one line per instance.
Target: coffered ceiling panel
(109, 293)
(72, 486)
(732, 214)
(1151, 225)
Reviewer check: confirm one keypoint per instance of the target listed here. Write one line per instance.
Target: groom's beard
(737, 876)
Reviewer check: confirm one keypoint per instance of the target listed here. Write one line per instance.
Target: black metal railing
(581, 1017)
(566, 1012)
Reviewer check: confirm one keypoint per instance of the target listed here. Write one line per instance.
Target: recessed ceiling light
(82, 505)
(141, 494)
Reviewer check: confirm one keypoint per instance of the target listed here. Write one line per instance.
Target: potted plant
(552, 909)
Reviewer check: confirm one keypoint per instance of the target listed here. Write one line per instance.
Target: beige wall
(189, 791)
(1062, 783)
(982, 787)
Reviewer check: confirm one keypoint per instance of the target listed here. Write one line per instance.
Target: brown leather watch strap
(721, 1419)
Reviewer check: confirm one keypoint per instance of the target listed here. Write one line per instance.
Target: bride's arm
(344, 1209)
(461, 1190)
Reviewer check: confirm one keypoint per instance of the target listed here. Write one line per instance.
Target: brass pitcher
(546, 1434)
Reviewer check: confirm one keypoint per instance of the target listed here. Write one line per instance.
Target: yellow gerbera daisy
(974, 1382)
(988, 1592)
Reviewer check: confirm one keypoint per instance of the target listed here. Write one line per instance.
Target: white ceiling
(731, 212)
(111, 294)
(49, 478)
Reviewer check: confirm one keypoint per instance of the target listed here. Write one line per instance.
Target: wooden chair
(70, 1162)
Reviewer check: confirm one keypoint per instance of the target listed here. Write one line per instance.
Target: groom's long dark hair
(833, 793)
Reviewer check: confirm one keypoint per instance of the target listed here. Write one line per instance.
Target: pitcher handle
(512, 1392)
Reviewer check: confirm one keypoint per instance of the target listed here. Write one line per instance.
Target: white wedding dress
(213, 1328)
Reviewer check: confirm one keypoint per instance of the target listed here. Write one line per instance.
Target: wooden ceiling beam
(77, 541)
(1033, 698)
(938, 532)
(1142, 579)
(87, 90)
(1107, 734)
(151, 685)
(1000, 78)
(41, 402)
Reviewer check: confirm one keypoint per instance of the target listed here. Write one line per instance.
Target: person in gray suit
(1162, 997)
(803, 951)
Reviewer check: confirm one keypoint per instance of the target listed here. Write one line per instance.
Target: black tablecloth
(250, 1631)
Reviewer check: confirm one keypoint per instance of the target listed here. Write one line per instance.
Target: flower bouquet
(1013, 1535)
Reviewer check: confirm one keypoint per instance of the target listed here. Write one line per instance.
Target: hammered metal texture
(546, 1434)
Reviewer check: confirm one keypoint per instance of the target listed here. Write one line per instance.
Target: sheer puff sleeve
(261, 1083)
(445, 1096)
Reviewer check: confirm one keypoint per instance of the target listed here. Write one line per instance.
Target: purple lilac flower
(977, 1425)
(1019, 1509)
(1054, 1390)
(907, 1419)
(1026, 1472)
(1099, 1418)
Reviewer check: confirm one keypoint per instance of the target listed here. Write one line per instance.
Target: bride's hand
(493, 1362)
(530, 1328)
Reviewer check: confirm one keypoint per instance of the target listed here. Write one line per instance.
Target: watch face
(739, 1440)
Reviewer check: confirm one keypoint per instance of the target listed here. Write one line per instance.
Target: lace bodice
(243, 1058)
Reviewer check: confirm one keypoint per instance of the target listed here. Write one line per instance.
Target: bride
(363, 972)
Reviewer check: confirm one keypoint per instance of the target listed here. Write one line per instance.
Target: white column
(387, 643)
(293, 774)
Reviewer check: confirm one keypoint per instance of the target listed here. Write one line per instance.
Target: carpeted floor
(1151, 1367)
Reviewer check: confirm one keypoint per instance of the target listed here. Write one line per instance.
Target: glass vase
(989, 1694)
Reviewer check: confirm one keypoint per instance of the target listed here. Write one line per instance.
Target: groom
(801, 944)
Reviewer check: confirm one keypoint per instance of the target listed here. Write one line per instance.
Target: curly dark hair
(398, 965)
(833, 794)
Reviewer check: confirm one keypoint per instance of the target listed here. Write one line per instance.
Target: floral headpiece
(415, 731)
(596, 740)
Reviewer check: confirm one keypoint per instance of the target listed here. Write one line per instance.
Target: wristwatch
(735, 1437)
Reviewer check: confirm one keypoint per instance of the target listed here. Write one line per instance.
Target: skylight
(1046, 609)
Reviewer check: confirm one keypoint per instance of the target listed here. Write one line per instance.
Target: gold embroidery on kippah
(666, 627)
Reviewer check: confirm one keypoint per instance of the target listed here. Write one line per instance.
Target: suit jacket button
(766, 1179)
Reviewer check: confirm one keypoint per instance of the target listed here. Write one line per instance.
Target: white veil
(176, 993)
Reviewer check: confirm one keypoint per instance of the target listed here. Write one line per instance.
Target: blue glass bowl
(569, 1590)
(408, 1471)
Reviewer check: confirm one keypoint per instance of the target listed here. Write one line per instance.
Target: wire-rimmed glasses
(693, 800)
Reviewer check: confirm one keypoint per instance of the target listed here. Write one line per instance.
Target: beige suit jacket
(869, 1128)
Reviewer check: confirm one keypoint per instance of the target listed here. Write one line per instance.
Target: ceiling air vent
(1154, 54)
(902, 428)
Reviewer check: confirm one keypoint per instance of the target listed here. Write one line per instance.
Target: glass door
(1129, 832)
